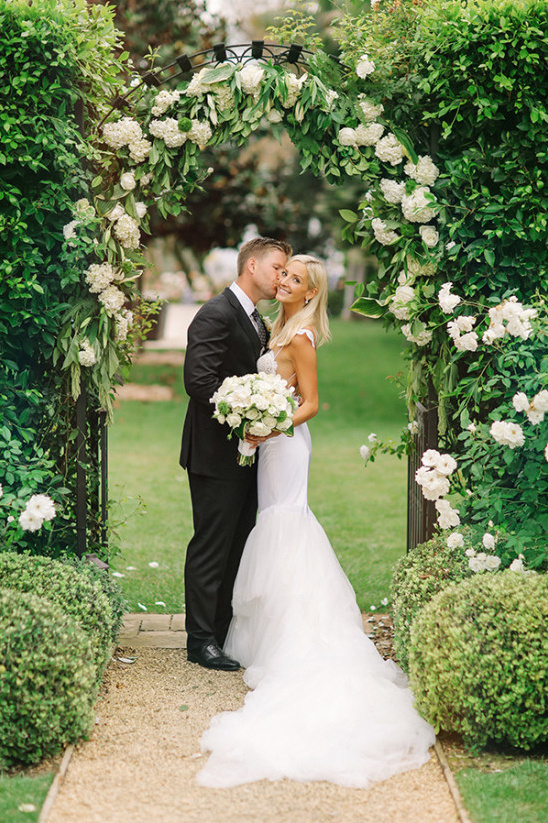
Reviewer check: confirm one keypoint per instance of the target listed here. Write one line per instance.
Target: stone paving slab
(153, 631)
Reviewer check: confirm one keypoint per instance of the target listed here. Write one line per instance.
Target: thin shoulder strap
(309, 334)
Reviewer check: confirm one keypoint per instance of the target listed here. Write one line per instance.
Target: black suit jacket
(222, 342)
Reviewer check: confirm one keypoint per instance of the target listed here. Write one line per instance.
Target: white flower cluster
(516, 317)
(38, 509)
(455, 540)
(536, 409)
(429, 235)
(360, 136)
(393, 192)
(518, 564)
(330, 97)
(123, 322)
(365, 452)
(369, 110)
(482, 561)
(420, 269)
(168, 130)
(417, 206)
(293, 86)
(460, 331)
(255, 403)
(365, 66)
(163, 101)
(433, 475)
(112, 299)
(197, 85)
(127, 132)
(224, 97)
(99, 276)
(251, 77)
(200, 132)
(382, 234)
(446, 299)
(127, 181)
(421, 339)
(399, 304)
(126, 229)
(86, 355)
(425, 172)
(390, 150)
(507, 433)
(448, 517)
(68, 230)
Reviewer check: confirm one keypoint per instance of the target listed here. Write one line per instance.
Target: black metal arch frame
(188, 64)
(420, 514)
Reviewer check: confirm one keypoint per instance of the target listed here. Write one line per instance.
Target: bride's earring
(307, 301)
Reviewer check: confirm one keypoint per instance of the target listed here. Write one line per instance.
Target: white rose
(365, 452)
(127, 181)
(455, 541)
(233, 420)
(258, 429)
(488, 541)
(429, 235)
(430, 457)
(251, 77)
(365, 66)
(517, 565)
(492, 562)
(141, 209)
(540, 401)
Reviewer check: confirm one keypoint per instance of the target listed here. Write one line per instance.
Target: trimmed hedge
(417, 578)
(75, 593)
(110, 587)
(478, 659)
(48, 679)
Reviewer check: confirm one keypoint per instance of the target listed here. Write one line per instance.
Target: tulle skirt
(324, 705)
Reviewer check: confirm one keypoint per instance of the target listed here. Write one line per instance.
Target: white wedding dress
(324, 705)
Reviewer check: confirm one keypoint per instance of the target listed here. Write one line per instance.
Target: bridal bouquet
(255, 403)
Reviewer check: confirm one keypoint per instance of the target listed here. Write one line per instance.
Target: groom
(225, 338)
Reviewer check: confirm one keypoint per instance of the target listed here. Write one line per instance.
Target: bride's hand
(256, 441)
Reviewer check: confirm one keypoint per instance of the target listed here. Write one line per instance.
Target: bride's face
(294, 288)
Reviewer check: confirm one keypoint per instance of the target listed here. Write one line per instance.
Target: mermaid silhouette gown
(324, 705)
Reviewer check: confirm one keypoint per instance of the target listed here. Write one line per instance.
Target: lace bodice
(267, 361)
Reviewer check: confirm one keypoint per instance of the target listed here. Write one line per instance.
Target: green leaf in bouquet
(369, 307)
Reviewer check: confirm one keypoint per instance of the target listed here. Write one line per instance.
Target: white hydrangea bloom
(429, 235)
(390, 150)
(86, 355)
(293, 86)
(123, 321)
(200, 132)
(416, 268)
(196, 86)
(122, 132)
(98, 276)
(68, 229)
(347, 137)
(369, 110)
(507, 433)
(365, 66)
(126, 229)
(393, 192)
(369, 135)
(330, 98)
(416, 206)
(425, 172)
(112, 299)
(163, 100)
(84, 208)
(224, 98)
(116, 212)
(383, 235)
(139, 150)
(168, 130)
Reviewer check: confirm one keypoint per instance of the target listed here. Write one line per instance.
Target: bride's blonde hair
(313, 313)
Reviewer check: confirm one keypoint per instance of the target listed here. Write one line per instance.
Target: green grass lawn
(363, 510)
(18, 793)
(513, 795)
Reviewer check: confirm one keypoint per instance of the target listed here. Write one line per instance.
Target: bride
(324, 704)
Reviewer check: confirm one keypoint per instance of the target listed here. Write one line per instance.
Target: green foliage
(113, 592)
(73, 591)
(47, 679)
(478, 659)
(418, 577)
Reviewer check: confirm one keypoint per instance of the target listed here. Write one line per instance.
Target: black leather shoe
(211, 657)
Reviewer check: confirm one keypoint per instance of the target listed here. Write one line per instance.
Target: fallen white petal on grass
(131, 568)
(144, 608)
(153, 564)
(118, 574)
(160, 603)
(126, 659)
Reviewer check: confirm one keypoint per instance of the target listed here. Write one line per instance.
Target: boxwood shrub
(110, 587)
(75, 593)
(417, 577)
(48, 679)
(478, 659)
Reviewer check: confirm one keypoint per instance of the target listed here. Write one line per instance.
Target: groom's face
(267, 271)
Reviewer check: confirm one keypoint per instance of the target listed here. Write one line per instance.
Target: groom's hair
(259, 246)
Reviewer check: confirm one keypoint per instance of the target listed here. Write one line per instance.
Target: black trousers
(224, 512)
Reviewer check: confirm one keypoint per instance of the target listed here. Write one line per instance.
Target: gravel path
(140, 763)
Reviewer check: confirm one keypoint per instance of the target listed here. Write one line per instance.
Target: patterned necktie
(260, 326)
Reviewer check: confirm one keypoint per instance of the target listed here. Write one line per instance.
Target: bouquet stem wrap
(246, 453)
